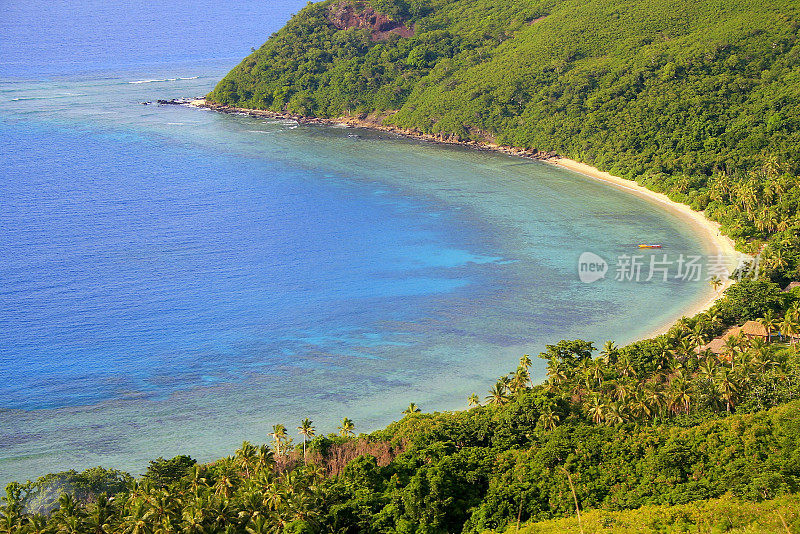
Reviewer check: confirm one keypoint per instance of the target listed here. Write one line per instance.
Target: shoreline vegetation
(714, 241)
(695, 429)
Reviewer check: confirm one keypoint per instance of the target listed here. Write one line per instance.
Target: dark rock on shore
(174, 102)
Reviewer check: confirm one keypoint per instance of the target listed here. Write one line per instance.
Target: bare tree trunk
(574, 496)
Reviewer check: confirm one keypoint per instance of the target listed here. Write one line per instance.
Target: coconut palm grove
(696, 430)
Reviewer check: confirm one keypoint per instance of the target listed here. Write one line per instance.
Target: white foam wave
(50, 97)
(166, 79)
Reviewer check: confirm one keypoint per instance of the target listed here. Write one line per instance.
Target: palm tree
(640, 406)
(727, 387)
(259, 525)
(70, 525)
(275, 496)
(697, 335)
(775, 258)
(549, 386)
(731, 347)
(664, 352)
(135, 522)
(98, 520)
(412, 408)
(596, 371)
(789, 327)
(306, 429)
(37, 524)
(715, 318)
(525, 361)
(347, 427)
(265, 459)
(315, 473)
(708, 368)
(609, 351)
(686, 346)
(762, 363)
(680, 390)
(615, 414)
(278, 437)
(769, 321)
(557, 373)
(10, 519)
(246, 456)
(622, 390)
(719, 188)
(549, 419)
(163, 511)
(224, 486)
(505, 382)
(251, 505)
(221, 514)
(596, 409)
(193, 518)
(625, 367)
(520, 380)
(716, 282)
(654, 397)
(197, 480)
(794, 311)
(497, 394)
(683, 324)
(474, 400)
(69, 516)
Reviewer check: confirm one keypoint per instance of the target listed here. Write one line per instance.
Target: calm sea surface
(176, 281)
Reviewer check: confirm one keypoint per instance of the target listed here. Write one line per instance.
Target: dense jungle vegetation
(700, 100)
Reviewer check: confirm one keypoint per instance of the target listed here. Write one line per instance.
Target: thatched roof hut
(754, 329)
(791, 286)
(717, 345)
(750, 329)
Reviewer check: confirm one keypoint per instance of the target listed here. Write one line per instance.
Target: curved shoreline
(706, 229)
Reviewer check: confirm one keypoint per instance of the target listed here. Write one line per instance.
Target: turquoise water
(176, 281)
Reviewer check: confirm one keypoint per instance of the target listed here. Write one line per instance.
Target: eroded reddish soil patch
(345, 15)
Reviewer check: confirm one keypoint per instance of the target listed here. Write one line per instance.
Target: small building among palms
(754, 329)
(719, 345)
(791, 286)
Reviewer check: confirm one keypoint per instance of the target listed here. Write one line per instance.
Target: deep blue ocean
(175, 280)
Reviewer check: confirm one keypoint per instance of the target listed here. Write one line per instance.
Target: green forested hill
(697, 99)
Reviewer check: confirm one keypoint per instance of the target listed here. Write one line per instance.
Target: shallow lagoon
(176, 280)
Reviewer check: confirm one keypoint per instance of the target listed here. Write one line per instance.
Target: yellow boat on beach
(649, 246)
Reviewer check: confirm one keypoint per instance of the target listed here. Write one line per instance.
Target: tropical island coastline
(697, 428)
(716, 243)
